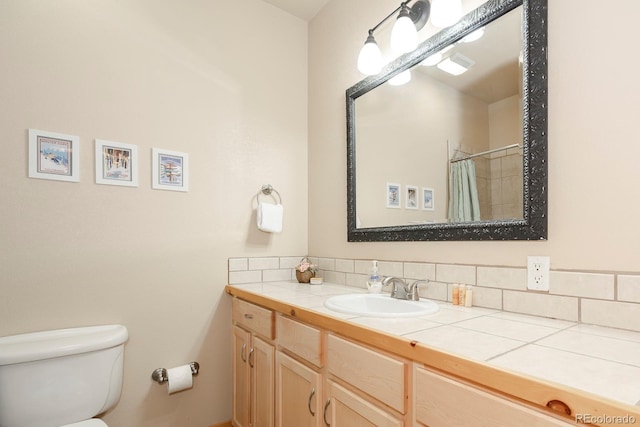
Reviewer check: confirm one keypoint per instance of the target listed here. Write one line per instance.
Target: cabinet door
(346, 409)
(241, 377)
(442, 402)
(298, 394)
(262, 384)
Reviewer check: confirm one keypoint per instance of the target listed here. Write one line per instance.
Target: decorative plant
(306, 265)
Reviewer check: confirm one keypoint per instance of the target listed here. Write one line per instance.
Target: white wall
(593, 148)
(225, 82)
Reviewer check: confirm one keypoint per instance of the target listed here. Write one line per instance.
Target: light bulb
(404, 36)
(445, 13)
(370, 57)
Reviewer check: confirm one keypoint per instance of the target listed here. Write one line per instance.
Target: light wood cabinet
(241, 378)
(253, 366)
(379, 375)
(290, 374)
(441, 401)
(344, 408)
(298, 393)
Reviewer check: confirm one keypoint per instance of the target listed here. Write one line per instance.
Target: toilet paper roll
(179, 378)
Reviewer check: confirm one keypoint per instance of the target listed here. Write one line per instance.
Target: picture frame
(54, 156)
(116, 163)
(411, 197)
(427, 199)
(393, 195)
(170, 170)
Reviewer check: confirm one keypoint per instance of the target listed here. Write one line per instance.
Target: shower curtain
(463, 192)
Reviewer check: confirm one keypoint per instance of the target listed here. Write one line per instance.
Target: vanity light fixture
(404, 34)
(445, 13)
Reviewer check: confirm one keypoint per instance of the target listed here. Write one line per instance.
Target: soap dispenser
(374, 284)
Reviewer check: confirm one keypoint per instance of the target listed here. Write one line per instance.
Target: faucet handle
(413, 289)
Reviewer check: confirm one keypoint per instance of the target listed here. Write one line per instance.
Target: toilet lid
(93, 422)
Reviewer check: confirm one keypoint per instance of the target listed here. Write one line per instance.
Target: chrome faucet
(400, 289)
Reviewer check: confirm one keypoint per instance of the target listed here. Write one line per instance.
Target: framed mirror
(455, 157)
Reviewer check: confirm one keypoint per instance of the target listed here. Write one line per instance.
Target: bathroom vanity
(297, 363)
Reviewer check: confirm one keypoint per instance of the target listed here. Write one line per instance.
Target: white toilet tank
(53, 378)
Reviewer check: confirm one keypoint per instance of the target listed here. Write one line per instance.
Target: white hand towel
(270, 217)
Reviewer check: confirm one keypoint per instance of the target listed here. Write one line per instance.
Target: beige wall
(593, 148)
(225, 82)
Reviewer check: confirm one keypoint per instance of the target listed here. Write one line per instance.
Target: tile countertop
(599, 360)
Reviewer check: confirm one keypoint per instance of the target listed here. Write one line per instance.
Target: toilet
(61, 378)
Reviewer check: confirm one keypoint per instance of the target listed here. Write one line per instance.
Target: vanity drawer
(379, 375)
(300, 339)
(260, 320)
(441, 401)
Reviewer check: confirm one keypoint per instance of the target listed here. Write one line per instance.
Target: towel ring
(268, 190)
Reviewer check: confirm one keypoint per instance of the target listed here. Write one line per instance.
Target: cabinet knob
(559, 406)
(248, 316)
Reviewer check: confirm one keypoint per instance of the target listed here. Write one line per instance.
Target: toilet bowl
(61, 378)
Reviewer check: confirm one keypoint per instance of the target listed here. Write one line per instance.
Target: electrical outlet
(538, 273)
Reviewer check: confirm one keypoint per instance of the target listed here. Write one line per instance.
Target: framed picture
(427, 199)
(393, 195)
(54, 156)
(411, 197)
(170, 170)
(116, 163)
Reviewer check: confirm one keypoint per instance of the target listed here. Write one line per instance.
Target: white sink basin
(380, 305)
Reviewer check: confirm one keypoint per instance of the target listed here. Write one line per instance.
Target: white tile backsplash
(504, 278)
(541, 304)
(264, 263)
(629, 288)
(487, 297)
(238, 264)
(345, 265)
(419, 270)
(456, 274)
(608, 313)
(276, 275)
(587, 285)
(604, 299)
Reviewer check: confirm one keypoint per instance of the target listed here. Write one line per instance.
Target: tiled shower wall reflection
(607, 299)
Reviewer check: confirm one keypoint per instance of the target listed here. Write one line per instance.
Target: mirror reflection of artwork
(412, 197)
(393, 195)
(427, 199)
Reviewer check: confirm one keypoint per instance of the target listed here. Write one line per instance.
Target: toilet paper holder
(160, 374)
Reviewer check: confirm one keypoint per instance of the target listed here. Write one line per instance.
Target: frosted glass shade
(404, 36)
(445, 13)
(400, 79)
(370, 58)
